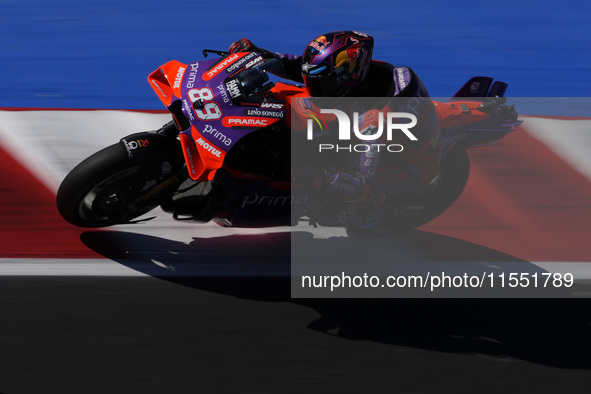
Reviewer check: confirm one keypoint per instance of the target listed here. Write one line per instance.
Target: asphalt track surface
(102, 311)
(225, 335)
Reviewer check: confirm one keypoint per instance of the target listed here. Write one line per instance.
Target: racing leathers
(413, 168)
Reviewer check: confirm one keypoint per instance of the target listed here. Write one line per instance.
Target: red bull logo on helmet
(353, 51)
(320, 43)
(351, 56)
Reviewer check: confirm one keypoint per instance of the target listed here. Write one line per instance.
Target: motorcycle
(225, 156)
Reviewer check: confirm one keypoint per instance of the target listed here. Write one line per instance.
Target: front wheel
(107, 189)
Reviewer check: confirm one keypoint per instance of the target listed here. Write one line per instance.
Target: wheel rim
(453, 176)
(113, 200)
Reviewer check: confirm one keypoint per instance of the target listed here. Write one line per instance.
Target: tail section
(498, 89)
(481, 87)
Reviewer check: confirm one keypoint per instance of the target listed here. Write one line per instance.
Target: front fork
(158, 153)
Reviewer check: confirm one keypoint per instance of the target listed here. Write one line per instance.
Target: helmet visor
(323, 85)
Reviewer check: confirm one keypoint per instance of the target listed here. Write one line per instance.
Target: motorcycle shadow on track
(553, 332)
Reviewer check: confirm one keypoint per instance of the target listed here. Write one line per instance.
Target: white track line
(154, 267)
(149, 267)
(64, 267)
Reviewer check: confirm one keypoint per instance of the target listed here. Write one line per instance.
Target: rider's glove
(244, 45)
(370, 122)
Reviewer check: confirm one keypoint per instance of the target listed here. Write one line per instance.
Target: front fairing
(209, 109)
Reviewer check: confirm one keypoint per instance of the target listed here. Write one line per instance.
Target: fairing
(210, 108)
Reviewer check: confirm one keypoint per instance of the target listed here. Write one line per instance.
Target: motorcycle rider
(339, 64)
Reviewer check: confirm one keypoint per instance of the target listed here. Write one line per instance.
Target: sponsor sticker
(217, 68)
(237, 121)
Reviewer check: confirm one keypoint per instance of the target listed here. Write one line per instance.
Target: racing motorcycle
(225, 155)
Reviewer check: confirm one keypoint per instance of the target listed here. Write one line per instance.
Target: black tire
(104, 189)
(454, 172)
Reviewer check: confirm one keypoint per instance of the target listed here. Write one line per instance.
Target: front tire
(107, 189)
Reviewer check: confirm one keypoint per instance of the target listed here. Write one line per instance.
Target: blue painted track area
(71, 54)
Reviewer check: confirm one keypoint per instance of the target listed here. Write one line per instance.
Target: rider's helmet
(334, 63)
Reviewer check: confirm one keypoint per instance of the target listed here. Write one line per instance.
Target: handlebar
(219, 53)
(254, 82)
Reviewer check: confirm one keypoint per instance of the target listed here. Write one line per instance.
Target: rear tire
(454, 172)
(105, 189)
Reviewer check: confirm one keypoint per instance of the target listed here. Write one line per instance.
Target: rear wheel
(107, 189)
(453, 175)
